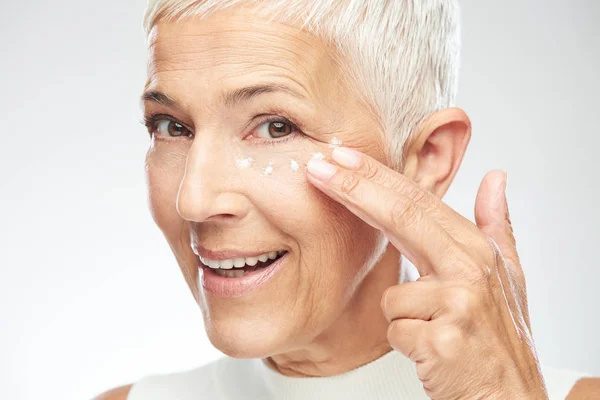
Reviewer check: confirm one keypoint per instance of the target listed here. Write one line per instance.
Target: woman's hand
(465, 321)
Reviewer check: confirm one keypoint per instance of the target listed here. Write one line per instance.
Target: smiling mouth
(228, 269)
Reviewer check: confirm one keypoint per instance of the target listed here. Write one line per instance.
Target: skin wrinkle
(332, 251)
(195, 66)
(321, 314)
(267, 43)
(288, 76)
(321, 321)
(307, 39)
(408, 19)
(247, 68)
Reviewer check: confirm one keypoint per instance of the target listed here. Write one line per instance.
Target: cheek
(164, 171)
(333, 244)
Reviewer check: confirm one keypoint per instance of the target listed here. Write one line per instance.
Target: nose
(210, 188)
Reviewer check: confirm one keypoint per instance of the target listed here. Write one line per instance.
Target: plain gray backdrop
(90, 294)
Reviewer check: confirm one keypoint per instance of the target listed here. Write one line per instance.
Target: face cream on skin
(294, 165)
(269, 169)
(318, 156)
(243, 163)
(335, 142)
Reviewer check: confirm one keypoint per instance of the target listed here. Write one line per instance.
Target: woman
(299, 149)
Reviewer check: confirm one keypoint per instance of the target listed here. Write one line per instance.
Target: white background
(90, 294)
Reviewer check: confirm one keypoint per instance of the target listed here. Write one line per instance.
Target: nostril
(221, 217)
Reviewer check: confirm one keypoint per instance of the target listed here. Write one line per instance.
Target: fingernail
(499, 199)
(321, 169)
(505, 199)
(346, 157)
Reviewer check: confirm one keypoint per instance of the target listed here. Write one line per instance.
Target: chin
(245, 338)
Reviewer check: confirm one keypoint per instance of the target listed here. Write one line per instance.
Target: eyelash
(150, 122)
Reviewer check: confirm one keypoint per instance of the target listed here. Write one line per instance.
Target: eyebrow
(160, 98)
(229, 99)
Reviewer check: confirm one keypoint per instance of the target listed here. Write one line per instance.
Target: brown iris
(176, 129)
(279, 129)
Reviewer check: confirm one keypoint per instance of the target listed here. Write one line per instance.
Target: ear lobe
(437, 153)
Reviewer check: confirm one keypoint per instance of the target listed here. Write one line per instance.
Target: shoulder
(585, 389)
(570, 385)
(119, 393)
(211, 380)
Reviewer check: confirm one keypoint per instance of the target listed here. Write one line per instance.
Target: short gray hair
(402, 56)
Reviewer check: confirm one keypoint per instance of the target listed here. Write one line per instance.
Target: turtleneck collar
(391, 376)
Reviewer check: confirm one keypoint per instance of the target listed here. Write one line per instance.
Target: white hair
(401, 56)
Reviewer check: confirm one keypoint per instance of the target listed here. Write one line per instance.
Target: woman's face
(227, 173)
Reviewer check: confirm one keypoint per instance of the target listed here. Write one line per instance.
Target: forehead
(236, 45)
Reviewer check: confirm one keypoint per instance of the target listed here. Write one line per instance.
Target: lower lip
(223, 286)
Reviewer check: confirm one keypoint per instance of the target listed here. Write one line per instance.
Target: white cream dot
(244, 162)
(335, 142)
(269, 169)
(294, 165)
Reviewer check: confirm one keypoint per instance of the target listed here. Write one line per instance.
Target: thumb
(492, 216)
(493, 219)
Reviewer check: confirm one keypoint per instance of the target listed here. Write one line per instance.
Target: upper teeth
(240, 262)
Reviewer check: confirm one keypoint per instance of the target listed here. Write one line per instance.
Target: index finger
(410, 229)
(456, 225)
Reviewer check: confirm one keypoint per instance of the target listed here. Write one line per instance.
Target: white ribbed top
(390, 377)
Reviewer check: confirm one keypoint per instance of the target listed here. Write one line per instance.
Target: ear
(434, 154)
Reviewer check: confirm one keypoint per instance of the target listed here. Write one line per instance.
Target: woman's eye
(274, 129)
(168, 127)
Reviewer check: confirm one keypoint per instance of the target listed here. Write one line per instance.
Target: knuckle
(399, 185)
(369, 170)
(478, 273)
(418, 195)
(394, 333)
(349, 184)
(446, 339)
(400, 339)
(411, 353)
(461, 301)
(424, 372)
(404, 213)
(470, 270)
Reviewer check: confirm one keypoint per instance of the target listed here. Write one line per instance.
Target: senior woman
(298, 150)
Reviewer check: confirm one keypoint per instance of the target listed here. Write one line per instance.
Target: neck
(357, 337)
